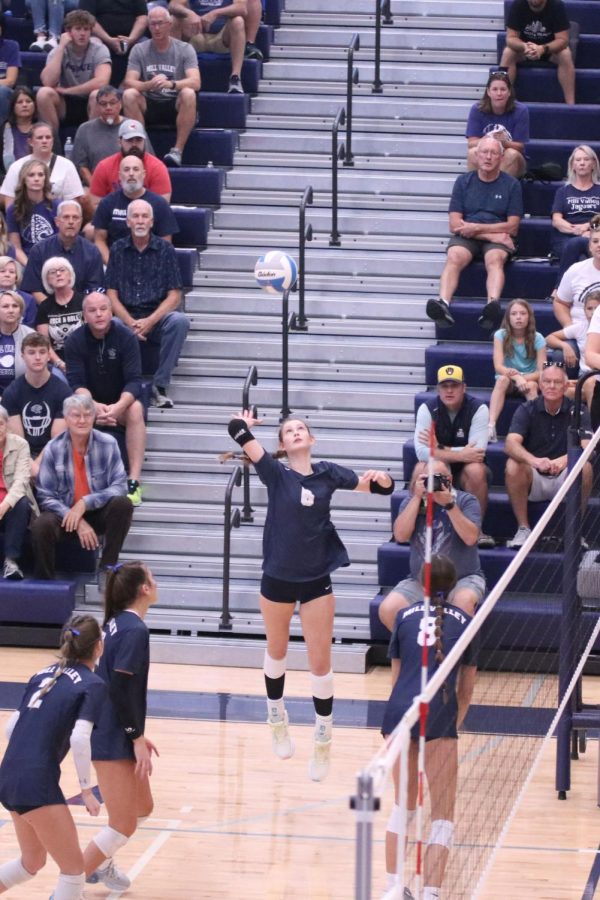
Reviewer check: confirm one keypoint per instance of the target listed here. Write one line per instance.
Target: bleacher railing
(337, 153)
(251, 379)
(305, 233)
(383, 15)
(351, 79)
(230, 520)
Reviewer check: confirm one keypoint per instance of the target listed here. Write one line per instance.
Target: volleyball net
(534, 633)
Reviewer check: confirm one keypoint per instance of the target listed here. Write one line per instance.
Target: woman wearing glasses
(62, 310)
(499, 114)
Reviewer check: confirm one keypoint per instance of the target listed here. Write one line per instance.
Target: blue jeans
(47, 16)
(170, 335)
(5, 96)
(15, 523)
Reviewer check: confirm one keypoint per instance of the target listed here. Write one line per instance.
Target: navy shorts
(29, 789)
(110, 744)
(295, 591)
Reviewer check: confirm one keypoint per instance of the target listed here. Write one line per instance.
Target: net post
(365, 804)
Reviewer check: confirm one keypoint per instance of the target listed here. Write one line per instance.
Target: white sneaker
(520, 537)
(108, 874)
(50, 44)
(38, 45)
(11, 570)
(318, 765)
(283, 745)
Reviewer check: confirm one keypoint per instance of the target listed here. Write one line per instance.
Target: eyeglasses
(105, 103)
(157, 23)
(58, 271)
(80, 416)
(550, 364)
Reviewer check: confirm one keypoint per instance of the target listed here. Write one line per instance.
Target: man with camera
(456, 527)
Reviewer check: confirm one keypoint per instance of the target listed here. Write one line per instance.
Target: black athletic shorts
(160, 112)
(295, 591)
(76, 110)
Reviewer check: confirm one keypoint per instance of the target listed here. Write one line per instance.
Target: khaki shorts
(544, 487)
(210, 43)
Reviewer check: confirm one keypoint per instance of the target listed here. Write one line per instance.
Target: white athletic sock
(69, 887)
(276, 710)
(323, 727)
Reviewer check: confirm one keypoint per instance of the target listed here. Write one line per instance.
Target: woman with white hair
(16, 498)
(12, 332)
(62, 310)
(575, 204)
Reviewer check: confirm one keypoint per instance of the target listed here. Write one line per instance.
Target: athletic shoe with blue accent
(283, 745)
(318, 765)
(109, 875)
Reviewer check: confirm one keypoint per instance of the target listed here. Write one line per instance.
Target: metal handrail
(336, 154)
(251, 379)
(231, 520)
(383, 11)
(351, 78)
(305, 233)
(288, 321)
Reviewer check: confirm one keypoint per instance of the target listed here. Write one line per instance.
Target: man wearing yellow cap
(461, 436)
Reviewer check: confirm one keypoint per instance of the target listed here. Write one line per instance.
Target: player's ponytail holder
(73, 631)
(114, 568)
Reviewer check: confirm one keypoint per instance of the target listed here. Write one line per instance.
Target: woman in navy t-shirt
(499, 114)
(59, 709)
(30, 219)
(439, 631)
(301, 548)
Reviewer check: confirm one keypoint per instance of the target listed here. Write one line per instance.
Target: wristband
(546, 52)
(450, 505)
(376, 488)
(240, 432)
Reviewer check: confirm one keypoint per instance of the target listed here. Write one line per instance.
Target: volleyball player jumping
(300, 548)
(447, 710)
(59, 708)
(120, 751)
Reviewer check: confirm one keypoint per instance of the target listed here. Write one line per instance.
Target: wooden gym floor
(231, 821)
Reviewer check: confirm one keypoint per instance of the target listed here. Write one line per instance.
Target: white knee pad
(108, 841)
(274, 668)
(395, 819)
(322, 686)
(13, 873)
(141, 820)
(69, 887)
(441, 832)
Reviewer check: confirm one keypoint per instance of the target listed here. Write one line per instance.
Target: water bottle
(68, 148)
(209, 164)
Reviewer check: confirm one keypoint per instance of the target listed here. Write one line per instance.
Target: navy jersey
(126, 649)
(411, 630)
(300, 542)
(30, 770)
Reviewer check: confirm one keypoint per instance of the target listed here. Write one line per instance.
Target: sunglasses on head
(557, 365)
(499, 73)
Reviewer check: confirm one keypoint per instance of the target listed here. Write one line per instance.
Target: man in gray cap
(132, 142)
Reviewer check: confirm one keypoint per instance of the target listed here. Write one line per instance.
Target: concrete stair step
(376, 372)
(218, 417)
(382, 223)
(395, 73)
(353, 181)
(366, 306)
(423, 145)
(415, 283)
(374, 107)
(232, 324)
(206, 463)
(273, 87)
(315, 41)
(441, 51)
(351, 240)
(361, 125)
(372, 203)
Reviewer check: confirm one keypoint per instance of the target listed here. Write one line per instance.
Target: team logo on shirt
(307, 498)
(36, 418)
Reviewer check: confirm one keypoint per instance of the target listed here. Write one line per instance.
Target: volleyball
(275, 272)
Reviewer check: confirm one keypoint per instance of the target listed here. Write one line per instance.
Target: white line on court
(152, 850)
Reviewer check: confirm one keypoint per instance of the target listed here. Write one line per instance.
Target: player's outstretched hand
(246, 415)
(92, 805)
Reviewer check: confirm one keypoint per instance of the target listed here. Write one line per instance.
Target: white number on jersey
(36, 701)
(426, 635)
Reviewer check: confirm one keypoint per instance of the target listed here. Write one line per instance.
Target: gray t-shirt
(95, 140)
(147, 62)
(77, 69)
(445, 538)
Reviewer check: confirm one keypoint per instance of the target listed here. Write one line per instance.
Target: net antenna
(375, 776)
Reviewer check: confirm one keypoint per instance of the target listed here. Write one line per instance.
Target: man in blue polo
(68, 243)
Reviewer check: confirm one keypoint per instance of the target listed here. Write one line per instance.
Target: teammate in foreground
(120, 751)
(300, 548)
(59, 708)
(447, 711)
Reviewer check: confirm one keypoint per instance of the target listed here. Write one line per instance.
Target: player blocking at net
(59, 708)
(427, 633)
(301, 548)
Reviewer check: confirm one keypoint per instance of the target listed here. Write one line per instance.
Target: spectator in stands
(575, 204)
(99, 138)
(47, 18)
(62, 311)
(103, 362)
(16, 498)
(134, 142)
(220, 26)
(65, 181)
(461, 436)
(591, 360)
(31, 218)
(10, 63)
(19, 121)
(538, 31)
(10, 279)
(73, 74)
(12, 332)
(485, 210)
(519, 354)
(456, 527)
(500, 114)
(119, 26)
(110, 218)
(161, 82)
(563, 339)
(34, 400)
(68, 243)
(81, 490)
(536, 446)
(579, 281)
(144, 284)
